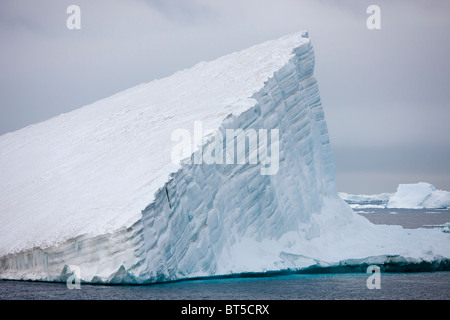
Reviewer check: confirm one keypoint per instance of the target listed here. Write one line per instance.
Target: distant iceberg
(364, 201)
(420, 195)
(95, 190)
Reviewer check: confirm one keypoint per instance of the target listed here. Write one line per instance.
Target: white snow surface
(96, 188)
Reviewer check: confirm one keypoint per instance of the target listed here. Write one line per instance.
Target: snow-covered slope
(94, 169)
(408, 196)
(96, 187)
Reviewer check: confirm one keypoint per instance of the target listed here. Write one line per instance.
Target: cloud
(182, 11)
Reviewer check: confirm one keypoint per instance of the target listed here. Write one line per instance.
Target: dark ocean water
(407, 218)
(420, 286)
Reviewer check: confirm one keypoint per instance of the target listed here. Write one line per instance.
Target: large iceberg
(96, 188)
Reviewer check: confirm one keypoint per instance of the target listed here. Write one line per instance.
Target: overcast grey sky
(386, 93)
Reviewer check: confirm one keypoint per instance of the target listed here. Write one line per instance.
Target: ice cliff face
(210, 208)
(110, 201)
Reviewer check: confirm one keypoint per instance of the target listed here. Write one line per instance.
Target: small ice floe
(445, 227)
